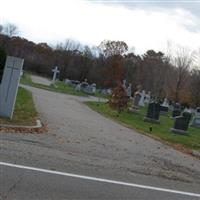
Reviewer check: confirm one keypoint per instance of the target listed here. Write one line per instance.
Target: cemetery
(139, 111)
(72, 87)
(180, 129)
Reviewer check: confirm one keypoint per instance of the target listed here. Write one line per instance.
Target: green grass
(160, 131)
(24, 112)
(59, 86)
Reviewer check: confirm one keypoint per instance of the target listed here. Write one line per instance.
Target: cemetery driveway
(83, 142)
(41, 80)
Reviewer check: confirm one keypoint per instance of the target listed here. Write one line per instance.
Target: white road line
(100, 179)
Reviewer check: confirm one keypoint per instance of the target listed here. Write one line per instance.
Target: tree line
(175, 75)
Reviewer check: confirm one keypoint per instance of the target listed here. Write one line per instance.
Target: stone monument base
(178, 131)
(155, 121)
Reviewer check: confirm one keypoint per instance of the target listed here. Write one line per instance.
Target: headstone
(67, 81)
(84, 85)
(147, 98)
(181, 124)
(177, 110)
(9, 85)
(141, 102)
(78, 87)
(164, 107)
(188, 116)
(135, 106)
(196, 119)
(153, 113)
(94, 88)
(129, 90)
(55, 72)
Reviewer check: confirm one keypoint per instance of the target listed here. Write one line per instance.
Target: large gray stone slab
(9, 85)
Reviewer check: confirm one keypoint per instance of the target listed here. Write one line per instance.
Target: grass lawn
(160, 131)
(59, 86)
(25, 112)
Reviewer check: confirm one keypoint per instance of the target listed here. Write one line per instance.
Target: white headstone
(129, 90)
(141, 102)
(55, 72)
(9, 85)
(165, 103)
(78, 87)
(147, 98)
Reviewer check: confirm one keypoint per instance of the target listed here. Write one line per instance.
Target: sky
(144, 24)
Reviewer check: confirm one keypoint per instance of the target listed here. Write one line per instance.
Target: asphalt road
(29, 184)
(80, 141)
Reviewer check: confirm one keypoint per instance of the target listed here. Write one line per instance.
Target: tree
(182, 60)
(195, 86)
(112, 48)
(11, 30)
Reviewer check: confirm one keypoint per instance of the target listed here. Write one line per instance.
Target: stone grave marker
(141, 102)
(196, 119)
(177, 110)
(147, 98)
(153, 113)
(9, 85)
(181, 123)
(129, 90)
(164, 107)
(135, 106)
(55, 72)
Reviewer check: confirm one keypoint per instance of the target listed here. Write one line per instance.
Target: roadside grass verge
(25, 112)
(59, 86)
(159, 131)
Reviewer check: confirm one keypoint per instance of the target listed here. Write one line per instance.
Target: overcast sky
(141, 24)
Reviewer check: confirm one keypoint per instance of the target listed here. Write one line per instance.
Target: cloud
(91, 23)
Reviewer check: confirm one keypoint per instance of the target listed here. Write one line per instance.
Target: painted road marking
(100, 179)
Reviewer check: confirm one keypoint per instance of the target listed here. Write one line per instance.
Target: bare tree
(10, 30)
(182, 60)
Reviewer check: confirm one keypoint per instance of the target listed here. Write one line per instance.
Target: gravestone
(9, 85)
(147, 98)
(188, 116)
(78, 87)
(181, 124)
(129, 90)
(164, 107)
(135, 106)
(153, 113)
(55, 72)
(177, 110)
(141, 102)
(94, 88)
(196, 119)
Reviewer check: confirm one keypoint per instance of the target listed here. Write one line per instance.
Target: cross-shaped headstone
(55, 72)
(9, 85)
